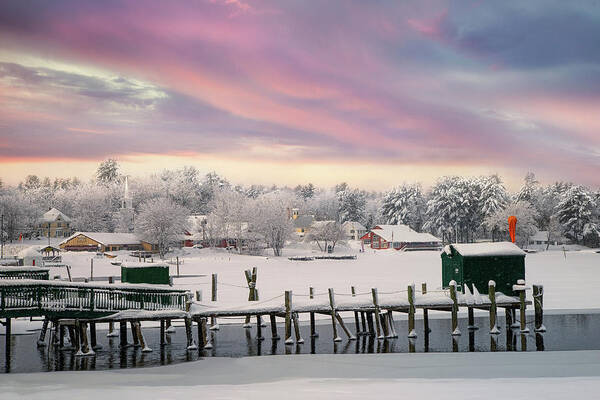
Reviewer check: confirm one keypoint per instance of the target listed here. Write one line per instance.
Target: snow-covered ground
(543, 375)
(570, 282)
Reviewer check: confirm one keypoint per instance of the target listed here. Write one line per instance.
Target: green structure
(153, 273)
(475, 264)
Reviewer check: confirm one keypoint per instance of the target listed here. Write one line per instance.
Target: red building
(399, 237)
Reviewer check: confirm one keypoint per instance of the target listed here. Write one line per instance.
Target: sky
(372, 93)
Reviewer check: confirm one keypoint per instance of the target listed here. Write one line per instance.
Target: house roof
(303, 221)
(54, 215)
(357, 226)
(485, 249)
(403, 234)
(32, 251)
(107, 238)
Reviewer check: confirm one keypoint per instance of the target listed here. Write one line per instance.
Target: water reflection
(565, 332)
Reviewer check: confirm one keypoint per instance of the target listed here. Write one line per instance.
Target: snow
(108, 238)
(486, 249)
(545, 375)
(135, 264)
(53, 215)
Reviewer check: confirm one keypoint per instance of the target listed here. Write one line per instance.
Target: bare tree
(162, 222)
(325, 233)
(271, 221)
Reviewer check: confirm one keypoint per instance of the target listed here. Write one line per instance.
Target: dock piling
(455, 330)
(411, 311)
(538, 305)
(336, 338)
(288, 317)
(492, 296)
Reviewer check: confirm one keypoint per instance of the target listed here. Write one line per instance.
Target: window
(367, 241)
(396, 245)
(375, 245)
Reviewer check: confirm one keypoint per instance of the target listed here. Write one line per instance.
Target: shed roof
(107, 238)
(32, 251)
(403, 233)
(485, 249)
(303, 221)
(354, 225)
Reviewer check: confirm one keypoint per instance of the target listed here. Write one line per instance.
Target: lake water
(564, 332)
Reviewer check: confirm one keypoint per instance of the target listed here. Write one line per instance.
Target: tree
(575, 211)
(108, 171)
(404, 205)
(270, 220)
(527, 191)
(161, 222)
(526, 226)
(229, 215)
(325, 233)
(305, 192)
(352, 205)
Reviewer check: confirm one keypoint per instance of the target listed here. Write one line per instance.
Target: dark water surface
(564, 332)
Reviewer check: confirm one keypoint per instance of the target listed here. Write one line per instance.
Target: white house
(353, 230)
(31, 256)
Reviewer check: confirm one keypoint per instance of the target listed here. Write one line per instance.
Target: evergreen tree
(575, 211)
(404, 205)
(108, 171)
(351, 205)
(527, 191)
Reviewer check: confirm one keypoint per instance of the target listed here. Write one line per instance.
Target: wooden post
(259, 335)
(7, 334)
(208, 344)
(136, 342)
(93, 338)
(377, 319)
(336, 338)
(522, 311)
(455, 330)
(140, 335)
(42, 339)
(384, 326)
(508, 317)
(411, 311)
(92, 269)
(369, 315)
(274, 334)
(201, 325)
(538, 305)
(425, 311)
(288, 317)
(111, 325)
(356, 321)
(492, 295)
(188, 333)
(213, 297)
(297, 328)
(313, 327)
(363, 321)
(252, 295)
(123, 333)
(344, 328)
(390, 318)
(85, 347)
(162, 332)
(177, 258)
(471, 319)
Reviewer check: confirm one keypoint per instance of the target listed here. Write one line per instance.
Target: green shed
(153, 273)
(475, 264)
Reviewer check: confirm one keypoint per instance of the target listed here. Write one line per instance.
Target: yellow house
(54, 224)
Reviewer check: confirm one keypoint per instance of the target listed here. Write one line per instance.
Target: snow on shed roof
(133, 264)
(354, 225)
(404, 234)
(107, 238)
(53, 215)
(32, 251)
(485, 249)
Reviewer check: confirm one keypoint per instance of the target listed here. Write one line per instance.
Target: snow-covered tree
(404, 204)
(575, 211)
(229, 215)
(527, 191)
(305, 192)
(161, 222)
(108, 171)
(494, 196)
(352, 205)
(324, 205)
(325, 234)
(526, 225)
(94, 207)
(270, 220)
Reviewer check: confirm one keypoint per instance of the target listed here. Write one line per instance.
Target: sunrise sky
(287, 92)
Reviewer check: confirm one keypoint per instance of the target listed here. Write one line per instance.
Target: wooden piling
(523, 307)
(274, 334)
(111, 325)
(213, 297)
(162, 332)
(471, 317)
(538, 305)
(198, 295)
(371, 328)
(259, 335)
(7, 334)
(201, 324)
(288, 317)
(356, 321)
(136, 342)
(411, 311)
(336, 338)
(123, 333)
(508, 318)
(390, 318)
(141, 339)
(251, 281)
(385, 330)
(363, 323)
(377, 310)
(42, 339)
(297, 328)
(85, 347)
(206, 334)
(313, 327)
(455, 330)
(93, 338)
(492, 296)
(343, 326)
(188, 333)
(425, 311)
